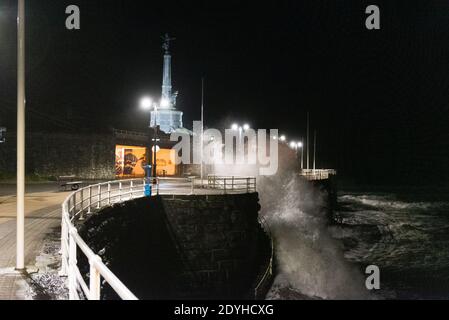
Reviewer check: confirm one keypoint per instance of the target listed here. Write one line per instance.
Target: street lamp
(282, 138)
(297, 146)
(240, 129)
(147, 103)
(20, 223)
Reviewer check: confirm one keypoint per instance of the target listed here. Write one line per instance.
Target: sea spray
(309, 260)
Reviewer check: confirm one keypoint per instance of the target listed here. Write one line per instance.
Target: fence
(232, 184)
(317, 174)
(94, 197)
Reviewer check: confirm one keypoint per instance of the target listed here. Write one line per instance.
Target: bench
(69, 181)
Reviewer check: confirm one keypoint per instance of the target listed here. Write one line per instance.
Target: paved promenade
(42, 218)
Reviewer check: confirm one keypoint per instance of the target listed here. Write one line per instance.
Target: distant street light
(298, 146)
(146, 103)
(282, 138)
(237, 127)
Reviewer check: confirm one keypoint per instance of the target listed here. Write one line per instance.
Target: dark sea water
(405, 232)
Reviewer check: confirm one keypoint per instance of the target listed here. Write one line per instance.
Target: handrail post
(224, 185)
(232, 185)
(109, 193)
(99, 196)
(81, 218)
(72, 264)
(94, 280)
(131, 189)
(120, 191)
(192, 186)
(64, 241)
(90, 200)
(247, 185)
(157, 186)
(74, 204)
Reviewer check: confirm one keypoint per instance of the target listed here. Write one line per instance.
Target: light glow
(146, 103)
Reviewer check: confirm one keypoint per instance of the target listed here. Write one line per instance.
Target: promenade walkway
(42, 218)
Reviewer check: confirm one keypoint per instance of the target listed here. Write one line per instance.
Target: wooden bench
(69, 181)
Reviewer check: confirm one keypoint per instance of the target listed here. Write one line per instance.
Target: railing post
(224, 179)
(109, 193)
(131, 189)
(120, 191)
(157, 186)
(90, 200)
(74, 204)
(192, 186)
(72, 265)
(247, 185)
(64, 242)
(232, 185)
(94, 280)
(99, 196)
(81, 205)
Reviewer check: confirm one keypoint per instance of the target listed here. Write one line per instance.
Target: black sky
(379, 100)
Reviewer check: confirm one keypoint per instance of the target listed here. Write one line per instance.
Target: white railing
(77, 204)
(317, 174)
(94, 197)
(230, 184)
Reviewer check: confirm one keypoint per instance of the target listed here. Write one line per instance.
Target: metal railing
(94, 197)
(231, 184)
(76, 205)
(317, 174)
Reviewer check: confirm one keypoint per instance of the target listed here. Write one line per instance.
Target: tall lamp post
(20, 245)
(146, 103)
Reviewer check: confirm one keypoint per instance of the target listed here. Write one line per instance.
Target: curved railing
(76, 205)
(92, 198)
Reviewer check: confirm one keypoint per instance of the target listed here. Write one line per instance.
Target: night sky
(379, 100)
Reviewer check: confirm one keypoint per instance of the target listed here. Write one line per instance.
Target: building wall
(88, 156)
